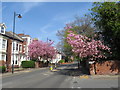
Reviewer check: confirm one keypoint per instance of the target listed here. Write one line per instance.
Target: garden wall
(2, 63)
(105, 67)
(39, 64)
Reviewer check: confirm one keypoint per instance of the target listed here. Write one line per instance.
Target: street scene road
(65, 76)
(57, 44)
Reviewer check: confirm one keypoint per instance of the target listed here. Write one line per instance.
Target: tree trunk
(88, 67)
(78, 65)
(95, 69)
(47, 63)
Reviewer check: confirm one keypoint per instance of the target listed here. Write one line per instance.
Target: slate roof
(10, 35)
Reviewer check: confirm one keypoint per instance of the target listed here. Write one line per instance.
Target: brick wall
(105, 67)
(9, 52)
(2, 63)
(24, 47)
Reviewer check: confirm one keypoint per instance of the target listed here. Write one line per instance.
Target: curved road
(66, 76)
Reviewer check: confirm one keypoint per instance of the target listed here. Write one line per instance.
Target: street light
(19, 16)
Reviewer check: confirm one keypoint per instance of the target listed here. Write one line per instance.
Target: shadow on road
(72, 70)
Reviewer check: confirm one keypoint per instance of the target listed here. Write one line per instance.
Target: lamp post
(19, 16)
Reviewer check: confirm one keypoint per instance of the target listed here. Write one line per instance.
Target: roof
(10, 35)
(23, 35)
(2, 24)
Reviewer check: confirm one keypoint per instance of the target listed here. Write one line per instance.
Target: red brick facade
(9, 54)
(24, 43)
(2, 63)
(105, 67)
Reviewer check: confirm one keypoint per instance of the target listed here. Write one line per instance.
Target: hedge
(61, 61)
(2, 69)
(28, 64)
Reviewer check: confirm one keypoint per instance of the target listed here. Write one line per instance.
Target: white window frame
(16, 59)
(20, 48)
(17, 47)
(14, 42)
(3, 30)
(4, 57)
(4, 43)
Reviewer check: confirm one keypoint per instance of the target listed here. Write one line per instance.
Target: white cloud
(27, 6)
(45, 28)
(46, 32)
(65, 17)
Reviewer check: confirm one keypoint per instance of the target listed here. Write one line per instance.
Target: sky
(42, 20)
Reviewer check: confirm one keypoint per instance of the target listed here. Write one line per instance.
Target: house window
(25, 39)
(24, 48)
(2, 29)
(13, 61)
(17, 47)
(13, 45)
(16, 59)
(4, 44)
(20, 48)
(3, 57)
(16, 62)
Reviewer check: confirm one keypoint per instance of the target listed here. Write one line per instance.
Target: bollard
(51, 68)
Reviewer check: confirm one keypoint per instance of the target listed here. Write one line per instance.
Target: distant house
(27, 41)
(57, 58)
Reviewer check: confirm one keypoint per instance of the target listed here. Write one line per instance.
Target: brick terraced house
(6, 48)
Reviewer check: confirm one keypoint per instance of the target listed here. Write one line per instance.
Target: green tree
(79, 26)
(63, 45)
(106, 17)
(83, 26)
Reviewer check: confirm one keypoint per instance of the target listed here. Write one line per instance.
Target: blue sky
(42, 19)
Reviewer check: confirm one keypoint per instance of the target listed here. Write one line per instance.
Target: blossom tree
(41, 49)
(84, 47)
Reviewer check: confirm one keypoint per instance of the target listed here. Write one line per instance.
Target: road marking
(84, 77)
(45, 74)
(54, 70)
(26, 71)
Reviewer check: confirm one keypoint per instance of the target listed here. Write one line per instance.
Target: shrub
(70, 60)
(2, 69)
(28, 64)
(62, 61)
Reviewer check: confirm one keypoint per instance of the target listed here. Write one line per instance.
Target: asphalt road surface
(64, 77)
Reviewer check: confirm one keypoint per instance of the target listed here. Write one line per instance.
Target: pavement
(65, 76)
(19, 71)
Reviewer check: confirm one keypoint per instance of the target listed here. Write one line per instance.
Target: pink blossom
(85, 47)
(41, 49)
